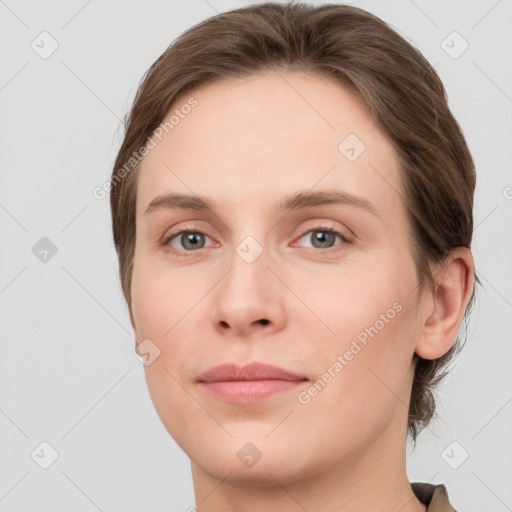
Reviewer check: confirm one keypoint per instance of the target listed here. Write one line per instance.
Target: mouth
(251, 383)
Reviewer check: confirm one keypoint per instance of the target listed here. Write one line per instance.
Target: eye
(322, 238)
(189, 240)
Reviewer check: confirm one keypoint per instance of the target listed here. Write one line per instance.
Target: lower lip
(243, 391)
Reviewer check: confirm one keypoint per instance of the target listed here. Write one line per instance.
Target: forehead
(251, 140)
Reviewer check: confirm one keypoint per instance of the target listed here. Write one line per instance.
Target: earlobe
(446, 305)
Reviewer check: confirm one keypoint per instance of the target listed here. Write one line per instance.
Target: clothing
(434, 496)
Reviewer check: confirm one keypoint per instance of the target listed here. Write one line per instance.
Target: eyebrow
(296, 201)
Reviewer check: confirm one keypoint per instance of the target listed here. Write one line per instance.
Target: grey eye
(190, 240)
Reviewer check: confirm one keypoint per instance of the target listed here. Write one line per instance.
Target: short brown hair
(392, 78)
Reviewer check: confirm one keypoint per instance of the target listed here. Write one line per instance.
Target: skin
(247, 144)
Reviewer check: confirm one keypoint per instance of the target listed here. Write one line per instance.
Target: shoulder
(435, 496)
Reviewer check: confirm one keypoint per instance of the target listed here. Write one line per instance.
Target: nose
(249, 298)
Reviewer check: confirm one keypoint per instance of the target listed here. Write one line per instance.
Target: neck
(374, 479)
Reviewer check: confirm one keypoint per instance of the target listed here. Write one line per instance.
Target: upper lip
(253, 371)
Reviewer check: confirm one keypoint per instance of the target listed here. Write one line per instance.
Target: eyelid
(328, 225)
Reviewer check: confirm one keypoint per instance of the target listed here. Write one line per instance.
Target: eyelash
(325, 229)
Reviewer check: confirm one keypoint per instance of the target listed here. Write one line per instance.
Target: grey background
(67, 372)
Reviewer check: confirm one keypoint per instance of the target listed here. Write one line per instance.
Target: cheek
(166, 308)
(372, 320)
(161, 316)
(349, 300)
(371, 379)
(158, 299)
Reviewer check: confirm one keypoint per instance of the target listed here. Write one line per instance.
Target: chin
(252, 460)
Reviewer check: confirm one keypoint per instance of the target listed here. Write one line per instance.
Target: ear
(443, 308)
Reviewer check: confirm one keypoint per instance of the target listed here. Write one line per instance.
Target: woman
(292, 211)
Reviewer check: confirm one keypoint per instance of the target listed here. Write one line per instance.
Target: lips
(253, 371)
(251, 383)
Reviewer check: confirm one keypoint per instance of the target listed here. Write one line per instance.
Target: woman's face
(262, 281)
